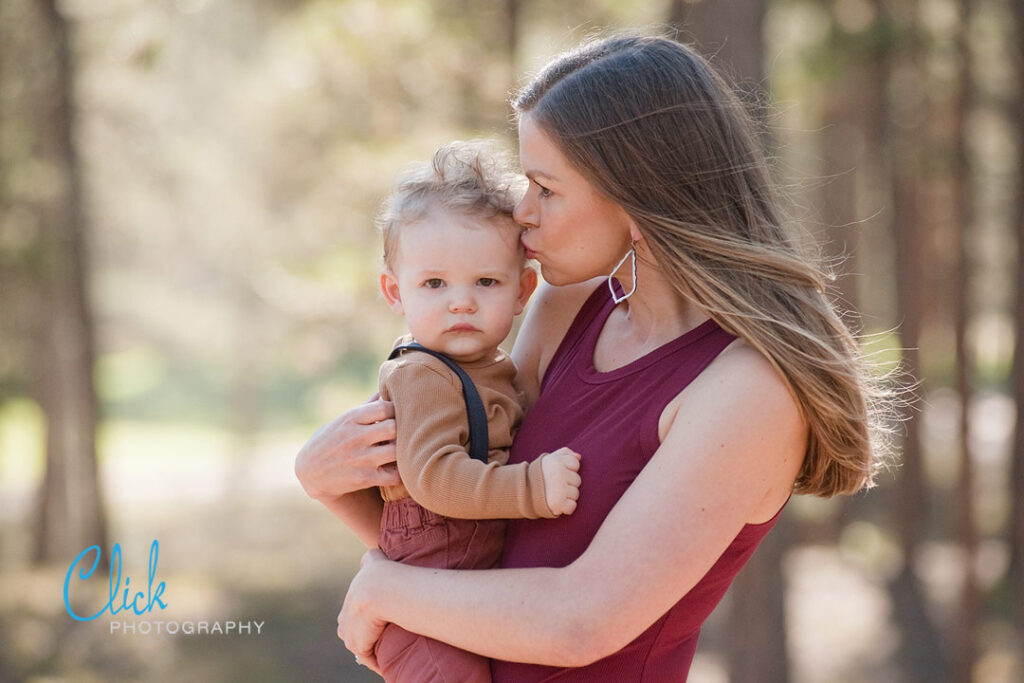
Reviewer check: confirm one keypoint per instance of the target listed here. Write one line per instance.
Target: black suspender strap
(475, 412)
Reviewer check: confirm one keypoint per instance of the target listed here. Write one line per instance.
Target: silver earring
(631, 254)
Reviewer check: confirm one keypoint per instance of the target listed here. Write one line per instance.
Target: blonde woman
(704, 382)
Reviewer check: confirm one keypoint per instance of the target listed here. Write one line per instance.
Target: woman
(712, 384)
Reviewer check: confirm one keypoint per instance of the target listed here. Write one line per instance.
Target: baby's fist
(561, 480)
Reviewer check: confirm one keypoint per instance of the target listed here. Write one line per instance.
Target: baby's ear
(389, 288)
(527, 283)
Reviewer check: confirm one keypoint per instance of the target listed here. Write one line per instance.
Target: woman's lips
(530, 253)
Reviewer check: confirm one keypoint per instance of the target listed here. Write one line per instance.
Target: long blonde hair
(653, 127)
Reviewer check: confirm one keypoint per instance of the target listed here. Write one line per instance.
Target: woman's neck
(656, 310)
(654, 315)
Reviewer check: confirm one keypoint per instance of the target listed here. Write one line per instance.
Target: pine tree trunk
(1017, 469)
(71, 514)
(730, 34)
(921, 651)
(967, 624)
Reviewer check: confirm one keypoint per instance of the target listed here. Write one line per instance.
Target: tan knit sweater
(432, 441)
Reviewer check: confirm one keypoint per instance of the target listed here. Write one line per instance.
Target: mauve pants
(411, 534)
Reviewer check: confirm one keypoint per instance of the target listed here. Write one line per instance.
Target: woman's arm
(346, 460)
(729, 457)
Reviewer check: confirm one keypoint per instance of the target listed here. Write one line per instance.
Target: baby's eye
(434, 283)
(543, 192)
(487, 282)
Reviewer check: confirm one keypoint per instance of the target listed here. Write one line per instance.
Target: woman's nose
(524, 213)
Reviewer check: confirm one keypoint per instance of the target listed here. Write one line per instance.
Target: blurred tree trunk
(245, 405)
(731, 35)
(854, 115)
(512, 10)
(966, 626)
(856, 182)
(1017, 468)
(487, 36)
(921, 648)
(470, 109)
(71, 514)
(843, 148)
(19, 234)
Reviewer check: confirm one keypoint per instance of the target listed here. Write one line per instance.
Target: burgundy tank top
(611, 418)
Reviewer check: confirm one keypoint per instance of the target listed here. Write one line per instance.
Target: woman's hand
(354, 452)
(357, 626)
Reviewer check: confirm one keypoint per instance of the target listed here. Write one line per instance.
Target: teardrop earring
(631, 255)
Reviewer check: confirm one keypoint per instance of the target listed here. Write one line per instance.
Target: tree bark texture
(1017, 468)
(730, 34)
(967, 625)
(70, 515)
(921, 650)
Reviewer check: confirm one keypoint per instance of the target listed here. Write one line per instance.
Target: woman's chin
(560, 279)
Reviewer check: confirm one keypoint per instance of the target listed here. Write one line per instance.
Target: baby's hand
(561, 480)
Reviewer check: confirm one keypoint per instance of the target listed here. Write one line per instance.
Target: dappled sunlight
(839, 619)
(212, 213)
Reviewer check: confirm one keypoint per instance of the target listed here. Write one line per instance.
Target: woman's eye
(487, 282)
(434, 283)
(543, 192)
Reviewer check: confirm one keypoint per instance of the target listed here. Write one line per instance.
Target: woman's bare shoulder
(742, 376)
(549, 316)
(741, 403)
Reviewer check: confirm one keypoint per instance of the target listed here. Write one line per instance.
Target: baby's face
(459, 281)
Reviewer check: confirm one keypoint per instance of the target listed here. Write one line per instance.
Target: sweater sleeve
(431, 450)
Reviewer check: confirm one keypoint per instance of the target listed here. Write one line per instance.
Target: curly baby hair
(474, 177)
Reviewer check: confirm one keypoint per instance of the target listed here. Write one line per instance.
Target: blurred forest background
(187, 290)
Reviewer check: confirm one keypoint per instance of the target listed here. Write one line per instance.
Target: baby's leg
(405, 657)
(416, 536)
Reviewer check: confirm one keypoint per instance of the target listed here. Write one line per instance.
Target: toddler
(455, 268)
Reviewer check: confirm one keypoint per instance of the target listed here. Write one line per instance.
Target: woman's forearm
(530, 615)
(345, 461)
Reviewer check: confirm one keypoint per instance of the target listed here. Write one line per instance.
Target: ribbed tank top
(611, 419)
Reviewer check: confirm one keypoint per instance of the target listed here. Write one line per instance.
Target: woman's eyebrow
(531, 174)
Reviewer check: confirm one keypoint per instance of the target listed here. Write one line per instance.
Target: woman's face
(574, 232)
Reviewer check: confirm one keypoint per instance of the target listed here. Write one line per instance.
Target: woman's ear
(389, 288)
(527, 283)
(634, 232)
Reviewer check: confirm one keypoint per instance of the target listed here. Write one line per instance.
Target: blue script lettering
(150, 598)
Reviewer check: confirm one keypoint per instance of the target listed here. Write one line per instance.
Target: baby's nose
(462, 301)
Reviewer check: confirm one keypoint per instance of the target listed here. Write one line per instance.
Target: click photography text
(130, 609)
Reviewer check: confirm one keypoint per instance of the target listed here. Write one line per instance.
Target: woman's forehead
(540, 156)
(537, 151)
